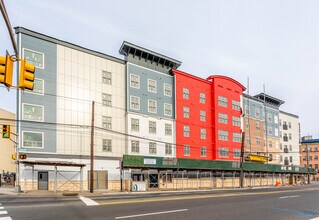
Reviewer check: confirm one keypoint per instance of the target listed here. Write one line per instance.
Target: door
(43, 181)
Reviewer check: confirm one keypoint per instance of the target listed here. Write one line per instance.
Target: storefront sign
(149, 161)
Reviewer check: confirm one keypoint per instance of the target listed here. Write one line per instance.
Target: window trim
(106, 94)
(189, 150)
(24, 103)
(204, 98)
(139, 82)
(37, 132)
(133, 152)
(106, 77)
(34, 51)
(171, 90)
(148, 85)
(148, 105)
(171, 109)
(36, 93)
(139, 102)
(201, 148)
(107, 139)
(138, 124)
(185, 93)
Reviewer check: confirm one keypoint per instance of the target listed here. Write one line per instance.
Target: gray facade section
(257, 105)
(143, 93)
(147, 64)
(47, 100)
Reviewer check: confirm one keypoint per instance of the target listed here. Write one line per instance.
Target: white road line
(88, 202)
(154, 213)
(285, 197)
(1, 207)
(5, 218)
(317, 218)
(3, 212)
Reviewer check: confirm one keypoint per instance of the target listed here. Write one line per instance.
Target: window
(33, 112)
(203, 133)
(257, 126)
(223, 152)
(135, 124)
(106, 99)
(107, 122)
(186, 112)
(152, 106)
(34, 58)
(222, 101)
(289, 124)
(270, 144)
(276, 119)
(236, 137)
(290, 147)
(223, 135)
(107, 77)
(38, 86)
(107, 145)
(135, 146)
(257, 112)
(202, 115)
(235, 105)
(279, 122)
(270, 131)
(168, 90)
(202, 97)
(152, 127)
(290, 136)
(167, 109)
(151, 85)
(32, 139)
(315, 158)
(135, 102)
(276, 132)
(185, 93)
(236, 153)
(246, 110)
(222, 118)
(247, 139)
(258, 141)
(135, 81)
(315, 149)
(269, 117)
(152, 147)
(168, 129)
(186, 131)
(236, 121)
(247, 124)
(168, 149)
(203, 151)
(186, 150)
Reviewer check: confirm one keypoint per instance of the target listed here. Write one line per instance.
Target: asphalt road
(272, 203)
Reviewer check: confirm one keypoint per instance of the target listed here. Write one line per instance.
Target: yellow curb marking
(202, 197)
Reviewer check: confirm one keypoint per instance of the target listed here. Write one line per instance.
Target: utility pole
(242, 160)
(92, 152)
(307, 153)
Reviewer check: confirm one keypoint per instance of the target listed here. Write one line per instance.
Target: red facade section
(229, 90)
(189, 92)
(195, 86)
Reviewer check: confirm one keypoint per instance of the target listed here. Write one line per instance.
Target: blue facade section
(47, 100)
(258, 106)
(143, 93)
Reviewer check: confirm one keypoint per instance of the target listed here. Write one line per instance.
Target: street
(260, 203)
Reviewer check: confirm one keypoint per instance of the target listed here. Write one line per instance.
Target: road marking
(3, 212)
(317, 218)
(88, 202)
(285, 197)
(5, 218)
(203, 196)
(1, 207)
(153, 213)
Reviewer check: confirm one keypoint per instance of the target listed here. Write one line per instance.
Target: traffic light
(5, 131)
(23, 156)
(6, 70)
(26, 80)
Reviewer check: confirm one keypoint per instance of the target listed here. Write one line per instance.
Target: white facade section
(289, 127)
(144, 136)
(80, 81)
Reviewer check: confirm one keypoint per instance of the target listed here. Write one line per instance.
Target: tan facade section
(7, 147)
(254, 136)
(313, 155)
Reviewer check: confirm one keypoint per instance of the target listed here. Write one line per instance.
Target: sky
(271, 42)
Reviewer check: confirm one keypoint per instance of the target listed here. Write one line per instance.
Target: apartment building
(55, 118)
(289, 138)
(313, 153)
(150, 102)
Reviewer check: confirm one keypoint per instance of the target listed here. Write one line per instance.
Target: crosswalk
(4, 214)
